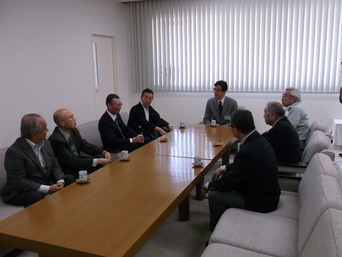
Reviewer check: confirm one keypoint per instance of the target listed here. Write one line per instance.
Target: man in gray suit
(220, 107)
(32, 169)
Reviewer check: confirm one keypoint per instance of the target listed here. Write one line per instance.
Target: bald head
(64, 119)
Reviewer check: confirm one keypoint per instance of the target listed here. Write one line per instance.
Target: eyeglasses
(217, 90)
(285, 96)
(70, 117)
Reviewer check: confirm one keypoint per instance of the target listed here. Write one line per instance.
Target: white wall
(46, 58)
(46, 64)
(189, 107)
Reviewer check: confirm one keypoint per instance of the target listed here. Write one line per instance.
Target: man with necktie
(115, 135)
(32, 169)
(219, 107)
(67, 144)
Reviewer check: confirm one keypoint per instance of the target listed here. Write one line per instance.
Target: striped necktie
(117, 124)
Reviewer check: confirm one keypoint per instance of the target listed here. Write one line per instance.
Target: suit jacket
(284, 140)
(253, 175)
(137, 120)
(111, 137)
(212, 110)
(24, 171)
(69, 162)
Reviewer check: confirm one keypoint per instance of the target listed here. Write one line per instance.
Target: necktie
(117, 124)
(72, 146)
(220, 107)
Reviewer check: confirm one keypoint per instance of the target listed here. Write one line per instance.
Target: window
(256, 45)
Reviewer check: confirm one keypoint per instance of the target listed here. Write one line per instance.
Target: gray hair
(275, 107)
(295, 93)
(30, 125)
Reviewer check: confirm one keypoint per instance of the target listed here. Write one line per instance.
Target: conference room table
(208, 142)
(124, 203)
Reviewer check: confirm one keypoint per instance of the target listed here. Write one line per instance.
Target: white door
(104, 57)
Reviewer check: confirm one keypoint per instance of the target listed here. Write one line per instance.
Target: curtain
(255, 45)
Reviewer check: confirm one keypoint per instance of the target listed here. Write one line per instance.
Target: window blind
(256, 45)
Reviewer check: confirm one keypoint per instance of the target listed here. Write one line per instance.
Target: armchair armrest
(330, 153)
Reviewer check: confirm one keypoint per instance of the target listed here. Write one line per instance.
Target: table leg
(198, 190)
(225, 157)
(184, 209)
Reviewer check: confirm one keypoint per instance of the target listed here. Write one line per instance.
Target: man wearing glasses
(220, 107)
(115, 135)
(295, 113)
(67, 143)
(144, 119)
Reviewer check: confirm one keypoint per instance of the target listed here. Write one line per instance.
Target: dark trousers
(27, 198)
(219, 202)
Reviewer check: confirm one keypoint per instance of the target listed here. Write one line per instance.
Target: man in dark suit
(251, 181)
(283, 137)
(67, 144)
(115, 135)
(32, 169)
(145, 120)
(220, 107)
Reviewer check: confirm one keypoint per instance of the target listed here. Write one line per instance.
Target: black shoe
(206, 243)
(340, 154)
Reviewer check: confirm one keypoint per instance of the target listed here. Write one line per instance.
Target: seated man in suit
(295, 113)
(115, 135)
(144, 119)
(32, 169)
(67, 143)
(282, 136)
(220, 107)
(251, 181)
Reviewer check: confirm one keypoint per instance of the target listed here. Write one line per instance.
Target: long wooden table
(191, 141)
(194, 140)
(114, 214)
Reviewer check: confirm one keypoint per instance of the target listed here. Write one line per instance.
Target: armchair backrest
(316, 125)
(318, 142)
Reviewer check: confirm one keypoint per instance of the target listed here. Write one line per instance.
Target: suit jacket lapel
(47, 159)
(224, 107)
(215, 110)
(121, 124)
(109, 118)
(27, 149)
